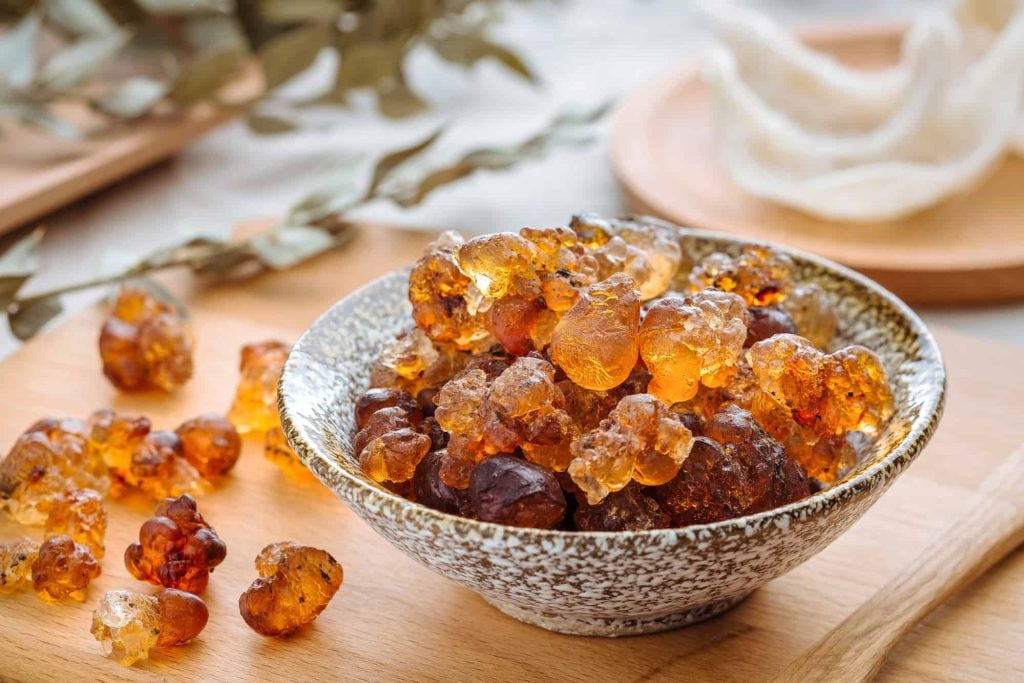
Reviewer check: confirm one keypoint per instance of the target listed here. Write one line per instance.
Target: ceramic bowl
(607, 583)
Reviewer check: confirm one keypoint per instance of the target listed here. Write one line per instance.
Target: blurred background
(581, 52)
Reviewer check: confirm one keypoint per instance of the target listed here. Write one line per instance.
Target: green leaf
(28, 318)
(184, 7)
(80, 17)
(393, 160)
(74, 64)
(289, 245)
(299, 11)
(18, 264)
(264, 124)
(133, 98)
(396, 101)
(18, 53)
(205, 75)
(289, 54)
(469, 48)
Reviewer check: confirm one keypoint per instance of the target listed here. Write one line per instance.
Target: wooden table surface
(395, 620)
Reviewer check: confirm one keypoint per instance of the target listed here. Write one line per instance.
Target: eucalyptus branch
(313, 226)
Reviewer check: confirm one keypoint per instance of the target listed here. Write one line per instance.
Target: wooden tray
(394, 620)
(39, 174)
(969, 248)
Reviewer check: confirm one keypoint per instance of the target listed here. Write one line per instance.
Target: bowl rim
(846, 490)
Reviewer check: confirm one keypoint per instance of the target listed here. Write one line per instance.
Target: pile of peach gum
(596, 377)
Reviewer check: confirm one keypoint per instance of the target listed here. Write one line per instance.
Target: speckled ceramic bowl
(607, 583)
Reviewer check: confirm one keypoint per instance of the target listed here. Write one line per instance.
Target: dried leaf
(365, 64)
(30, 317)
(74, 64)
(18, 264)
(393, 160)
(291, 244)
(205, 76)
(289, 54)
(133, 98)
(396, 101)
(184, 6)
(18, 53)
(39, 118)
(80, 17)
(215, 32)
(469, 48)
(322, 203)
(296, 11)
(265, 124)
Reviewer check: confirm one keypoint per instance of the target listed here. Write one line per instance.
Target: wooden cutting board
(968, 248)
(395, 620)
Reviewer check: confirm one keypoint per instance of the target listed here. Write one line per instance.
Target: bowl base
(608, 627)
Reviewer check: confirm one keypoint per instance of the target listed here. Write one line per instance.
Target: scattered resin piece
(627, 510)
(145, 343)
(641, 439)
(596, 341)
(63, 570)
(210, 443)
(255, 405)
(295, 584)
(177, 548)
(515, 492)
(80, 515)
(758, 274)
(130, 624)
(812, 313)
(277, 451)
(159, 468)
(116, 437)
(50, 458)
(16, 560)
(693, 340)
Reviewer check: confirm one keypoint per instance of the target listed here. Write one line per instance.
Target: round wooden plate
(969, 248)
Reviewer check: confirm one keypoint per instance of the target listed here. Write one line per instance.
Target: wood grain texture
(965, 249)
(975, 541)
(395, 620)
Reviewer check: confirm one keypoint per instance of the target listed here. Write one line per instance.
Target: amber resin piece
(760, 275)
(438, 291)
(512, 491)
(210, 443)
(63, 570)
(812, 312)
(627, 510)
(711, 486)
(51, 457)
(130, 624)
(767, 321)
(80, 515)
(641, 439)
(277, 451)
(429, 490)
(255, 405)
(772, 477)
(159, 468)
(16, 560)
(295, 584)
(685, 342)
(177, 548)
(378, 398)
(596, 341)
(832, 394)
(116, 437)
(394, 455)
(145, 343)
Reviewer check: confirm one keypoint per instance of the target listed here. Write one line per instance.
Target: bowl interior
(329, 368)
